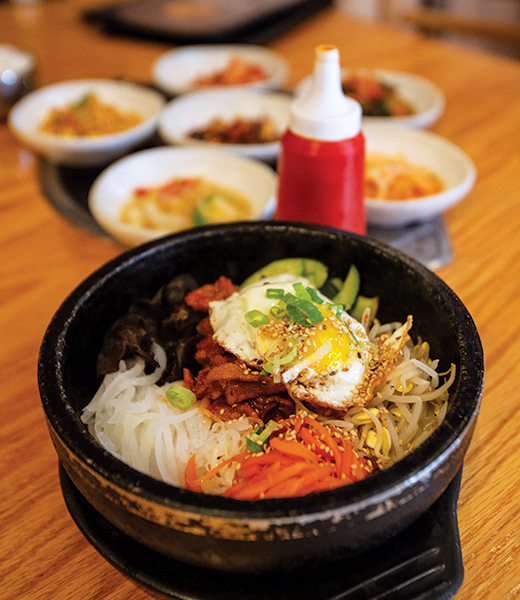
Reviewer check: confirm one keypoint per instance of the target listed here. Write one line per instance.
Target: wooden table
(43, 554)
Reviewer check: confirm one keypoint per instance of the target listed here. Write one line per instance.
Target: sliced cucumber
(363, 302)
(350, 289)
(331, 287)
(313, 270)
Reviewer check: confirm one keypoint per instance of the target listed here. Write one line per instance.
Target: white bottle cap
(324, 112)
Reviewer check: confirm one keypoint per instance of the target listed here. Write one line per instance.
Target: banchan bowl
(27, 115)
(176, 71)
(198, 110)
(268, 535)
(424, 96)
(427, 149)
(153, 167)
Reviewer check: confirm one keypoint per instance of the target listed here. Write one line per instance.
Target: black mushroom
(165, 319)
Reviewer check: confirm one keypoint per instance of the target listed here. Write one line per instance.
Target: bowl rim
(352, 498)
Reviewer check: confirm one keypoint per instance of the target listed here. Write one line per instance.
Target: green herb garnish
(255, 442)
(276, 293)
(255, 318)
(180, 397)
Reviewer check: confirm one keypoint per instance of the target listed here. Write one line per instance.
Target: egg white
(333, 373)
(227, 317)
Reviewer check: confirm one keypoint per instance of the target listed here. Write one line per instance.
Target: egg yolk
(334, 335)
(328, 346)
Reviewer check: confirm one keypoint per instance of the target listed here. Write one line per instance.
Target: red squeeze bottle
(322, 158)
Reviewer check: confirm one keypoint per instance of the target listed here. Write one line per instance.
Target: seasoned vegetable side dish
(88, 117)
(237, 71)
(238, 131)
(184, 202)
(396, 178)
(284, 386)
(377, 98)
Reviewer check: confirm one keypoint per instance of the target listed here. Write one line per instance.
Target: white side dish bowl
(175, 71)
(198, 109)
(448, 161)
(27, 115)
(426, 98)
(156, 166)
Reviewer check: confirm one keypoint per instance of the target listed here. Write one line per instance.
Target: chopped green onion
(301, 292)
(255, 442)
(256, 318)
(288, 356)
(278, 312)
(268, 368)
(289, 298)
(274, 293)
(313, 312)
(315, 297)
(337, 309)
(297, 314)
(271, 427)
(180, 397)
(251, 443)
(253, 446)
(353, 335)
(282, 351)
(305, 313)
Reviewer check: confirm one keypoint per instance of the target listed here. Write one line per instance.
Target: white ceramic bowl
(198, 109)
(116, 184)
(27, 115)
(175, 71)
(426, 98)
(447, 160)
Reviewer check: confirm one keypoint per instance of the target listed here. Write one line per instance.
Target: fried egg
(330, 363)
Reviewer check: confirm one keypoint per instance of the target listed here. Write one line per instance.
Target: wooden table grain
(43, 257)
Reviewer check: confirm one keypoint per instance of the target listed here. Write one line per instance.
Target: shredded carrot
(259, 487)
(251, 467)
(294, 449)
(327, 438)
(298, 424)
(249, 482)
(313, 442)
(309, 481)
(308, 459)
(194, 483)
(190, 475)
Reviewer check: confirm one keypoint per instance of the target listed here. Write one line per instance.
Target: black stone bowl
(268, 535)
